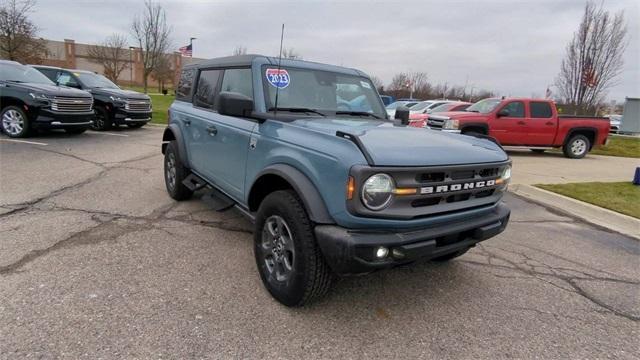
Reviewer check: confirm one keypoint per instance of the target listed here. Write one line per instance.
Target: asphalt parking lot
(96, 261)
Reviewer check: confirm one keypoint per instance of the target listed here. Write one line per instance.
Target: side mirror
(234, 104)
(503, 112)
(402, 114)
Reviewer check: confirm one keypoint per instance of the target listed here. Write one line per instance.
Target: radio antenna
(275, 107)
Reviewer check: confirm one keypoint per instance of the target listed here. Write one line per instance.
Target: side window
(238, 81)
(66, 79)
(183, 92)
(515, 108)
(540, 109)
(50, 73)
(206, 89)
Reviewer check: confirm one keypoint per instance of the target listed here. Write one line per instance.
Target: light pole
(131, 48)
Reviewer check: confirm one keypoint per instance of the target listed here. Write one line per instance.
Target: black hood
(51, 90)
(128, 94)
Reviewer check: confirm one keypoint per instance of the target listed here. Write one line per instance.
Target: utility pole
(131, 48)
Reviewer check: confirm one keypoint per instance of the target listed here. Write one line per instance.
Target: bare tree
(290, 53)
(410, 84)
(153, 36)
(18, 40)
(163, 72)
(377, 83)
(240, 50)
(112, 54)
(593, 58)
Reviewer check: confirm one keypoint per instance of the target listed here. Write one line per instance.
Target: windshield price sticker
(278, 78)
(365, 85)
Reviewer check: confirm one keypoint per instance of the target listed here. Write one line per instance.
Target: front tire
(175, 173)
(102, 120)
(289, 261)
(577, 147)
(15, 122)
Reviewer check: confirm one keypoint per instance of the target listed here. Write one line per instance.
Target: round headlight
(377, 191)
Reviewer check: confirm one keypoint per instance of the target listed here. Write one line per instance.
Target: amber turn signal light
(351, 188)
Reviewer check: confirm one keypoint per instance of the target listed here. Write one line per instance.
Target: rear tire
(174, 173)
(102, 120)
(453, 255)
(15, 122)
(289, 261)
(577, 147)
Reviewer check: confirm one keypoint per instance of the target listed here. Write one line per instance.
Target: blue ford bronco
(333, 186)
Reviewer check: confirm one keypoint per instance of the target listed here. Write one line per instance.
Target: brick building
(71, 55)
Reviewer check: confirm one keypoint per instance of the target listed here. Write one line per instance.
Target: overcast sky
(512, 47)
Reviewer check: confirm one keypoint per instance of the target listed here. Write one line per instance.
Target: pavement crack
(100, 165)
(533, 268)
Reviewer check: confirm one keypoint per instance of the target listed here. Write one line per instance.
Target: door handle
(550, 123)
(522, 122)
(187, 122)
(212, 130)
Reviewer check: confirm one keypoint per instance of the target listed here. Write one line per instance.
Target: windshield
(323, 92)
(21, 73)
(421, 105)
(91, 80)
(442, 107)
(484, 106)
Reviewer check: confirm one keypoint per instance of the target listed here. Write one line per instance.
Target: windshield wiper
(358, 113)
(472, 110)
(15, 81)
(297, 110)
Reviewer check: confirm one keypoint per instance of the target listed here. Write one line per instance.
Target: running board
(218, 201)
(194, 183)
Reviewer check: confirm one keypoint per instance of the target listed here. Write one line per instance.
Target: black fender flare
(306, 190)
(172, 132)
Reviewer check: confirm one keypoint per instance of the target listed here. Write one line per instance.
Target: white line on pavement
(108, 133)
(25, 141)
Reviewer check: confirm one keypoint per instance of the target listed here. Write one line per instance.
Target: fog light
(382, 252)
(397, 253)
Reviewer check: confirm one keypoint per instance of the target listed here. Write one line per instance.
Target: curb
(600, 217)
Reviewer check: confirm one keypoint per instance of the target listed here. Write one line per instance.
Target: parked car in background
(391, 108)
(386, 99)
(615, 122)
(420, 119)
(332, 189)
(450, 106)
(532, 123)
(30, 101)
(113, 105)
(423, 107)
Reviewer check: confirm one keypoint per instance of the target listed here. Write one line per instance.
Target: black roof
(236, 60)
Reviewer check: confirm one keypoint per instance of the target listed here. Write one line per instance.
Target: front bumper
(353, 251)
(122, 117)
(49, 119)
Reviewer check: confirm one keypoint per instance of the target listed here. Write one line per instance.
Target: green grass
(620, 146)
(622, 197)
(160, 105)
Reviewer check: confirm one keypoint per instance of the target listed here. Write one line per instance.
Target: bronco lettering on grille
(456, 187)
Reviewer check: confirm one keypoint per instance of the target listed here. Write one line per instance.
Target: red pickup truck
(532, 123)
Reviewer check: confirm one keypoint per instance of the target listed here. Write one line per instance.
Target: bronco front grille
(72, 104)
(439, 189)
(137, 105)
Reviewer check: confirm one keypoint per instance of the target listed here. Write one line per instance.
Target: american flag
(186, 50)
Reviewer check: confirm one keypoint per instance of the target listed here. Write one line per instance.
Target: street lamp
(131, 48)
